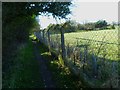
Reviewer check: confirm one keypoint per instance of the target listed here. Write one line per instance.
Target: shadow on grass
(24, 72)
(61, 74)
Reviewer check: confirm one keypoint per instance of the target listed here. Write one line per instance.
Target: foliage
(18, 19)
(73, 26)
(81, 27)
(61, 73)
(21, 16)
(24, 72)
(68, 26)
(89, 26)
(102, 24)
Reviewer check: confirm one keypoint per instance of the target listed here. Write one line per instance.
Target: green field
(101, 56)
(110, 36)
(106, 41)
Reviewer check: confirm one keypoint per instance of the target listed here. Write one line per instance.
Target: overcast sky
(88, 12)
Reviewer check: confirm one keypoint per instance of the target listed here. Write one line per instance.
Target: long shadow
(98, 63)
(45, 73)
(61, 75)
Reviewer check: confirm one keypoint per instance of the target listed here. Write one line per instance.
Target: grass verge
(25, 71)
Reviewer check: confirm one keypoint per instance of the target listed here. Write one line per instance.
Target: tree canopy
(101, 23)
(18, 9)
(18, 18)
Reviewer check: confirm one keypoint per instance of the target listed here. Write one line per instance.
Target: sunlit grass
(45, 53)
(32, 36)
(110, 36)
(106, 39)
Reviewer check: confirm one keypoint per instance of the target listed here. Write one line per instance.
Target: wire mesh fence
(94, 54)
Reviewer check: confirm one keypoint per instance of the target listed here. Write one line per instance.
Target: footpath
(45, 73)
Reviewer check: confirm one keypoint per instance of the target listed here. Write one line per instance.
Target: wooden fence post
(63, 44)
(94, 64)
(68, 51)
(85, 55)
(48, 34)
(74, 59)
(40, 34)
(43, 35)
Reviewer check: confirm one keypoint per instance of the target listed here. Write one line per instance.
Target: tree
(18, 18)
(102, 24)
(70, 26)
(15, 9)
(80, 27)
(89, 26)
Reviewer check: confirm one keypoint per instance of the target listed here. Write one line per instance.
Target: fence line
(92, 68)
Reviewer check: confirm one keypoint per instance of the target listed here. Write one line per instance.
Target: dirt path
(45, 73)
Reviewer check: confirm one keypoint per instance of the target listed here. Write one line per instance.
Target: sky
(84, 11)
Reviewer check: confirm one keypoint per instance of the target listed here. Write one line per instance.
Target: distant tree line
(99, 25)
(73, 26)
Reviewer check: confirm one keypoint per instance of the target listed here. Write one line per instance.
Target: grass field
(106, 41)
(109, 36)
(101, 57)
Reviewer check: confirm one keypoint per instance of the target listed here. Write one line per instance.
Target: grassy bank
(25, 70)
(61, 74)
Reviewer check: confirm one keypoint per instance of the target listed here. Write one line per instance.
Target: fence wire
(94, 54)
